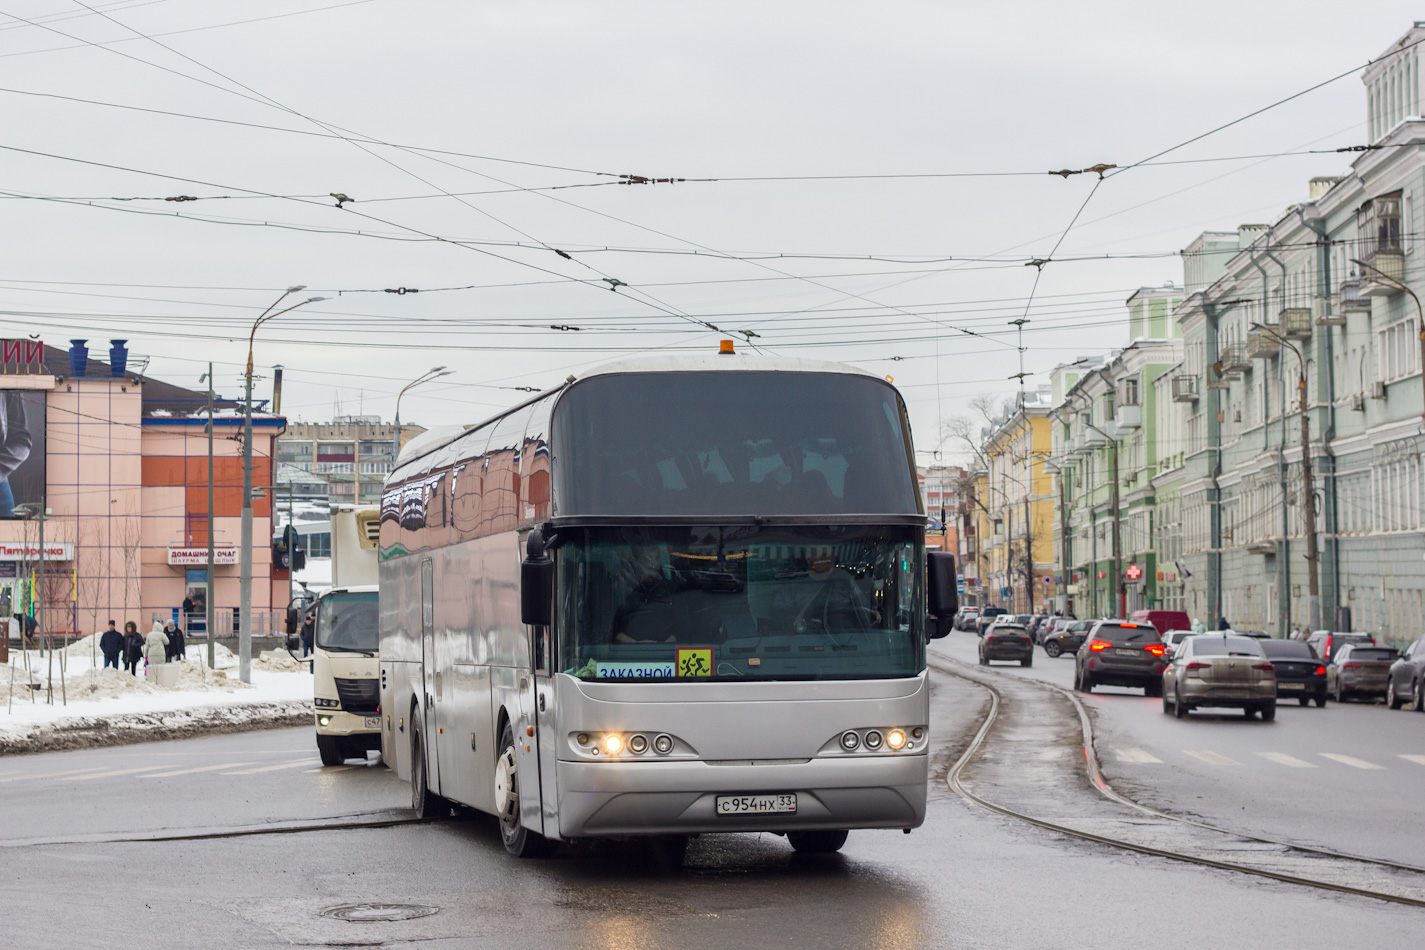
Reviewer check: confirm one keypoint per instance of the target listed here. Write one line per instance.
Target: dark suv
(1121, 653)
(1007, 641)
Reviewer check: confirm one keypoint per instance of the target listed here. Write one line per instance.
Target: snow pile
(23, 680)
(85, 647)
(277, 661)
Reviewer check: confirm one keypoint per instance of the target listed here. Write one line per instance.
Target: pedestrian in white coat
(155, 644)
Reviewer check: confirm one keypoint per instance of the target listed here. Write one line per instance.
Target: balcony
(1352, 300)
(1295, 323)
(1185, 388)
(1128, 417)
(1326, 316)
(1391, 264)
(1262, 344)
(1234, 360)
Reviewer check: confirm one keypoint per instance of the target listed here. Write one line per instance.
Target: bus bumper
(598, 799)
(335, 722)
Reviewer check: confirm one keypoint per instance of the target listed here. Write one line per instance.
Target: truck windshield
(744, 603)
(690, 444)
(347, 623)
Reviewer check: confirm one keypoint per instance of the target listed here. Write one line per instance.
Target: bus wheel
(519, 840)
(330, 749)
(427, 804)
(817, 842)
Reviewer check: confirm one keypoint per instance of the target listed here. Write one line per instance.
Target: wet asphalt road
(968, 878)
(1350, 777)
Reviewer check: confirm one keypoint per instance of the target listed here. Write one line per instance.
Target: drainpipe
(1284, 593)
(1333, 556)
(1211, 355)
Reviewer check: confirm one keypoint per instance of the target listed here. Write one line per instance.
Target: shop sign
(30, 551)
(198, 557)
(1134, 572)
(22, 357)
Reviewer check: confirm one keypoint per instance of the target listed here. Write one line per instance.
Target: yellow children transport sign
(695, 661)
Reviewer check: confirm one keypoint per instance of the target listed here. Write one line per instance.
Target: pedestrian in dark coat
(176, 645)
(308, 633)
(1222, 624)
(111, 642)
(133, 647)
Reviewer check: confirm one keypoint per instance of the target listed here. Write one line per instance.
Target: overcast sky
(475, 97)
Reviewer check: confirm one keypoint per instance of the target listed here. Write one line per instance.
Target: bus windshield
(698, 444)
(741, 603)
(348, 623)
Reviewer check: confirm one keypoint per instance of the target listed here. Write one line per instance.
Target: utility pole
(44, 633)
(1308, 486)
(212, 581)
(433, 373)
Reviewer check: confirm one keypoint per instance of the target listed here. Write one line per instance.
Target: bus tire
(519, 840)
(817, 842)
(427, 804)
(330, 749)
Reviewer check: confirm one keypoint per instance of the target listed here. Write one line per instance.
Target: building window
(1378, 223)
(1398, 350)
(318, 545)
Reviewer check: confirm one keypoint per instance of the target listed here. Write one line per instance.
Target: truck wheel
(330, 749)
(817, 842)
(427, 804)
(519, 840)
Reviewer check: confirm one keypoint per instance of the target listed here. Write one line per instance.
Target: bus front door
(546, 729)
(430, 685)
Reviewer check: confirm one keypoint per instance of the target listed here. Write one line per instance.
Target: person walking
(111, 642)
(1222, 624)
(308, 632)
(1198, 626)
(177, 643)
(133, 647)
(155, 646)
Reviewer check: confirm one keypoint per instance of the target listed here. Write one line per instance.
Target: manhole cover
(375, 912)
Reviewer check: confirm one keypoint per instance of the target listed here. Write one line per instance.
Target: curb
(90, 732)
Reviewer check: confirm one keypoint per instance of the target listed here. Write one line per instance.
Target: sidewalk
(100, 707)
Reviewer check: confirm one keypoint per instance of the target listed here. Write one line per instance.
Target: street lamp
(1308, 481)
(1421, 331)
(435, 372)
(245, 579)
(1117, 531)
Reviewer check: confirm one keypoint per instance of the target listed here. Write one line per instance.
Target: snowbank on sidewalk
(108, 704)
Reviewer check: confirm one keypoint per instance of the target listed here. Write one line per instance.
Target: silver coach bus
(675, 596)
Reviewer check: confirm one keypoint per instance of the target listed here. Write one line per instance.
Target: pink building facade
(121, 464)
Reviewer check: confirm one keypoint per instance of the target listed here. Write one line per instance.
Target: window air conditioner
(1378, 389)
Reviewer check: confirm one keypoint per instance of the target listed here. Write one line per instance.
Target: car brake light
(1131, 625)
(1320, 671)
(1264, 666)
(1099, 645)
(1351, 666)
(1157, 649)
(1192, 668)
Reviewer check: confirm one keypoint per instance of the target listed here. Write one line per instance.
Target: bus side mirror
(536, 582)
(292, 620)
(942, 593)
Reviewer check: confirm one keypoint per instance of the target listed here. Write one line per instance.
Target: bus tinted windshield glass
(732, 443)
(741, 603)
(348, 622)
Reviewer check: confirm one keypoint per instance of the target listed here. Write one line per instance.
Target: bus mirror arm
(942, 592)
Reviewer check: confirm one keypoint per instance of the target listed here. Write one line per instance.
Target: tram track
(1408, 893)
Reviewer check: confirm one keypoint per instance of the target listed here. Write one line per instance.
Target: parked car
(1359, 669)
(1163, 620)
(966, 619)
(1067, 638)
(1173, 637)
(1121, 653)
(1299, 670)
(987, 617)
(1327, 642)
(1220, 670)
(1007, 641)
(1405, 686)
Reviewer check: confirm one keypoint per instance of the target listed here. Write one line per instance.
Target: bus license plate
(373, 722)
(757, 804)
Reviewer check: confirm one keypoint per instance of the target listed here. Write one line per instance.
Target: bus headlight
(324, 720)
(663, 744)
(638, 745)
(895, 739)
(850, 740)
(327, 703)
(613, 744)
(873, 740)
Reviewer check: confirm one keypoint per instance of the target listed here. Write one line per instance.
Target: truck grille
(359, 697)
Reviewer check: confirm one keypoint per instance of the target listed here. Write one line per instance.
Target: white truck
(344, 658)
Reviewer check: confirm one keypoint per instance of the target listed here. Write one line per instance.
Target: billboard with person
(22, 448)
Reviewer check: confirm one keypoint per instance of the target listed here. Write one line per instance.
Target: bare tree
(89, 557)
(130, 538)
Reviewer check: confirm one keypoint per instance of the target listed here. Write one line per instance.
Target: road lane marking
(1420, 759)
(1281, 758)
(1137, 756)
(1349, 760)
(330, 768)
(21, 778)
(1211, 758)
(144, 768)
(269, 768)
(201, 768)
